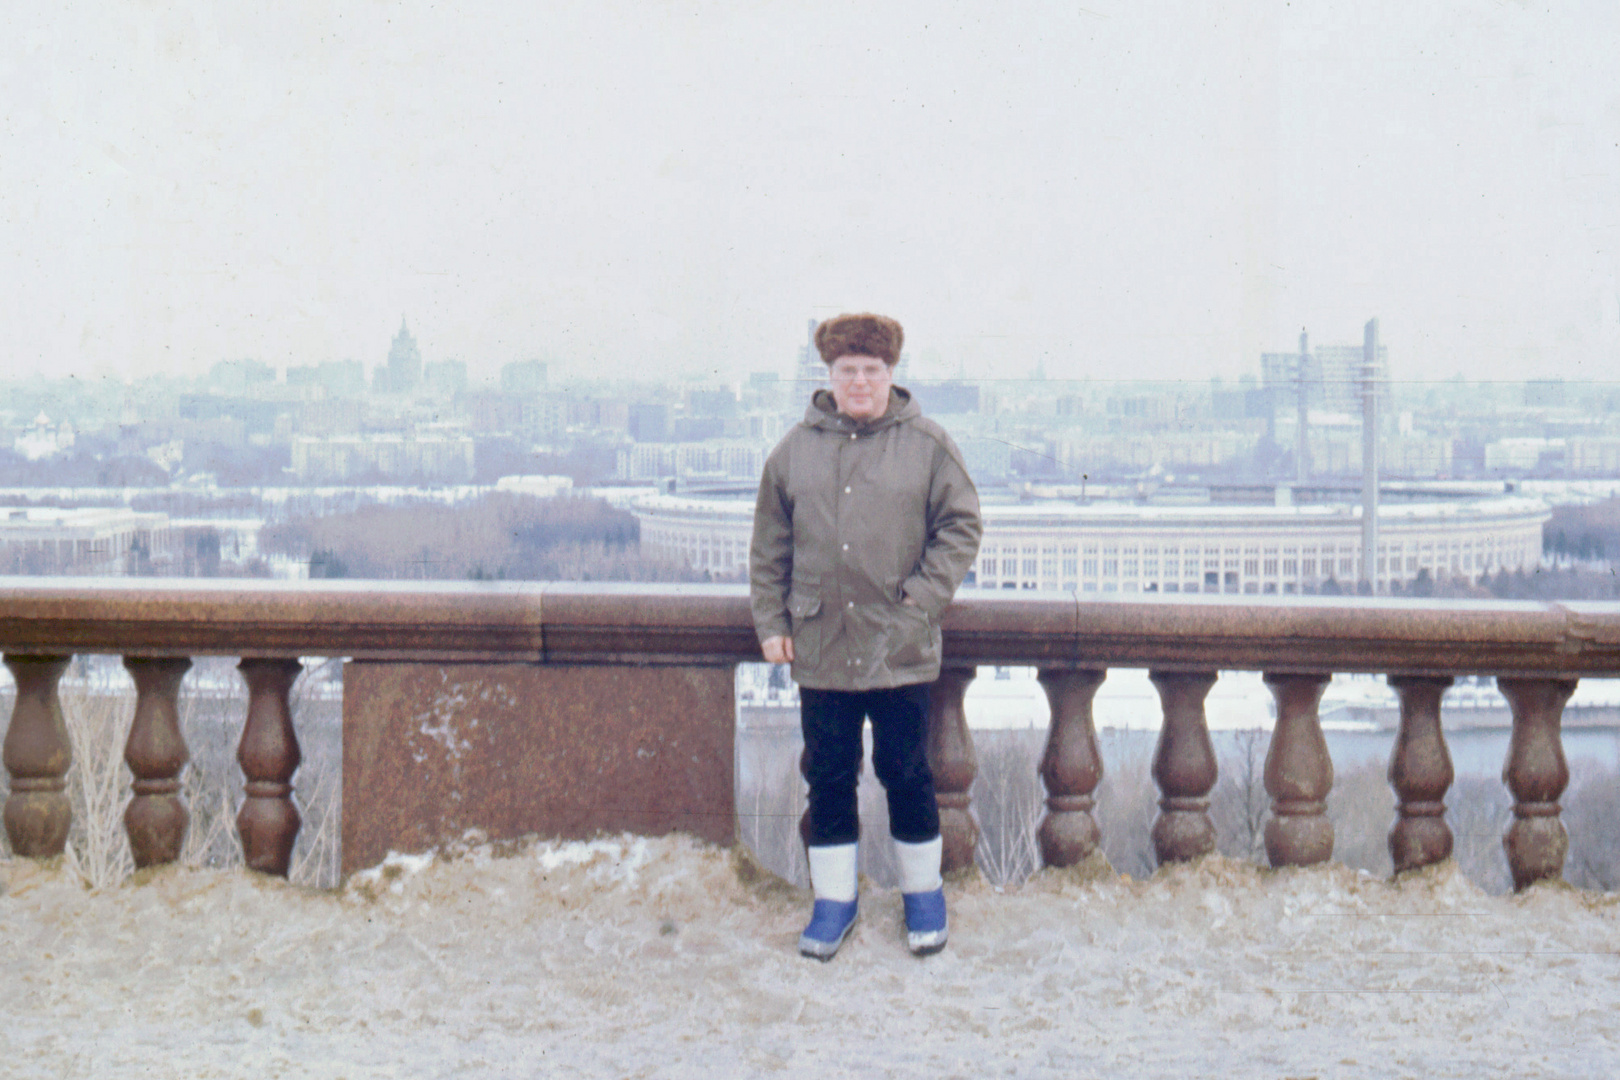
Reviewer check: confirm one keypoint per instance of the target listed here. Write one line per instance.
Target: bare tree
(1239, 803)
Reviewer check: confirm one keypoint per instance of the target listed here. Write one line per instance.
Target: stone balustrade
(565, 709)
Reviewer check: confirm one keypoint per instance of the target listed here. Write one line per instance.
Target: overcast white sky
(1144, 189)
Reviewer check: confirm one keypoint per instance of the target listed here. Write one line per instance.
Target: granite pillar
(562, 750)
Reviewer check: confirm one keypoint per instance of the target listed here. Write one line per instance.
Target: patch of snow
(657, 957)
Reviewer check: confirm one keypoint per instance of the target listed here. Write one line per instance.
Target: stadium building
(1132, 548)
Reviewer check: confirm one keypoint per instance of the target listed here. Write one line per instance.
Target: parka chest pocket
(804, 608)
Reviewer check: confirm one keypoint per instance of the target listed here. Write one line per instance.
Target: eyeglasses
(873, 372)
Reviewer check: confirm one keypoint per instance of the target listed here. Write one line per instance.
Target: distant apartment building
(445, 378)
(580, 411)
(1522, 454)
(1333, 377)
(648, 422)
(1127, 548)
(240, 376)
(92, 540)
(1417, 456)
(716, 459)
(989, 460)
(946, 398)
(330, 416)
(1089, 453)
(1545, 394)
(1593, 456)
(494, 413)
(523, 378)
(426, 458)
(1335, 452)
(490, 413)
(339, 378)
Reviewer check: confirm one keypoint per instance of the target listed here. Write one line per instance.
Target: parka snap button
(850, 603)
(846, 547)
(852, 434)
(846, 490)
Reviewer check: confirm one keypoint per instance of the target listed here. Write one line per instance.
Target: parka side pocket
(804, 609)
(912, 638)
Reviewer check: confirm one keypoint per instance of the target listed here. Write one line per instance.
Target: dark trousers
(832, 722)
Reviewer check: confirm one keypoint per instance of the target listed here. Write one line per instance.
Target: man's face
(860, 386)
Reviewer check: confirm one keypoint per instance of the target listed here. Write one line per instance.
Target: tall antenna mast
(1369, 459)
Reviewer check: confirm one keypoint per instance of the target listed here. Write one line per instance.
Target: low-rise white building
(1128, 548)
(541, 487)
(88, 540)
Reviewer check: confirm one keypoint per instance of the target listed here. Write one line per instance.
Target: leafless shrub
(1592, 816)
(97, 712)
(1127, 804)
(1361, 807)
(1009, 799)
(1478, 810)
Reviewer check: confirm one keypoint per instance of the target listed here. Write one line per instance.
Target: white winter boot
(923, 891)
(832, 878)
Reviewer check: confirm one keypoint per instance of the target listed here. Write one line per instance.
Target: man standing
(866, 523)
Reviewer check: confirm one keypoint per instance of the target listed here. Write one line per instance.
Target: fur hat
(860, 335)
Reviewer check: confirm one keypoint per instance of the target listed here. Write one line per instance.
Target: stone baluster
(37, 755)
(156, 817)
(269, 755)
(1299, 774)
(804, 817)
(1536, 773)
(1071, 767)
(1420, 772)
(954, 765)
(1184, 767)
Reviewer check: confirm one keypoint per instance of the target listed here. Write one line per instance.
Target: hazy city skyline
(1108, 190)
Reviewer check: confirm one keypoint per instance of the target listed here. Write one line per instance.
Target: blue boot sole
(830, 924)
(927, 927)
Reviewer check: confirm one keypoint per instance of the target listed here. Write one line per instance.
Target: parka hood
(823, 412)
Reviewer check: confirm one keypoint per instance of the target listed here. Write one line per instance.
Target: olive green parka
(862, 532)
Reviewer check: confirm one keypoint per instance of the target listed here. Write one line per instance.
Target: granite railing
(565, 709)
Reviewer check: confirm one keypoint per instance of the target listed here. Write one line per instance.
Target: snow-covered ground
(657, 958)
